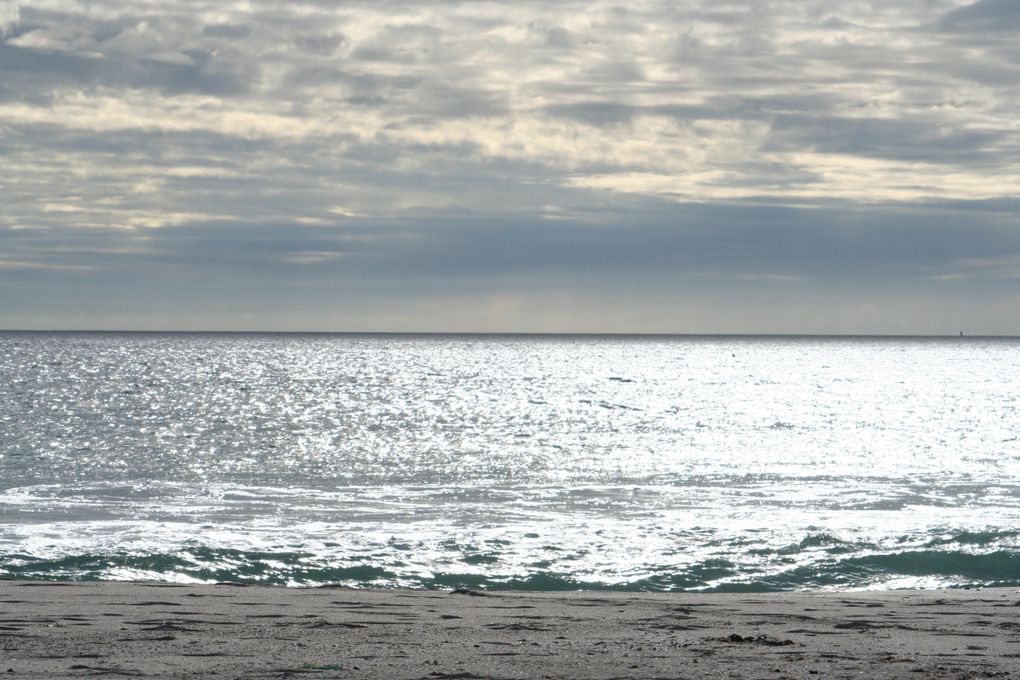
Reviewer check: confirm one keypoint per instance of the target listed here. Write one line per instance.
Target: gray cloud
(984, 16)
(885, 138)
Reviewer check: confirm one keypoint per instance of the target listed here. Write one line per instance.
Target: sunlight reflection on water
(651, 463)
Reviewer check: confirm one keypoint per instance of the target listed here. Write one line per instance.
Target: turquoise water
(524, 462)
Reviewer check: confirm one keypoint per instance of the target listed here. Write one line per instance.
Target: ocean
(640, 463)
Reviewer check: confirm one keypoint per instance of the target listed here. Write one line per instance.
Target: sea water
(525, 462)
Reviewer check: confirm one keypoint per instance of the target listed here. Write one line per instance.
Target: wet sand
(158, 630)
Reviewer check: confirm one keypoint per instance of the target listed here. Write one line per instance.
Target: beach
(164, 630)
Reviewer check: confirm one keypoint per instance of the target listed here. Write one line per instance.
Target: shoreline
(61, 629)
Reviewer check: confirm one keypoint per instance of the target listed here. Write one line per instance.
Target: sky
(684, 166)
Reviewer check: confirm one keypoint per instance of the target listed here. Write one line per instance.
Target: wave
(979, 538)
(211, 565)
(952, 569)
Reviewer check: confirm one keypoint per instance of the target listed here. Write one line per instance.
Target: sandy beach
(159, 630)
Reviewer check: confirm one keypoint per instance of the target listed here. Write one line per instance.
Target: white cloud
(67, 38)
(9, 15)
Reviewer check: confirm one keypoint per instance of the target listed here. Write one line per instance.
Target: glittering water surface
(513, 462)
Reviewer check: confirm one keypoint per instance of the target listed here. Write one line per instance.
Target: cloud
(501, 146)
(9, 16)
(984, 16)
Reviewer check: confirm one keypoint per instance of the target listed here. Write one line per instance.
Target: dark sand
(154, 630)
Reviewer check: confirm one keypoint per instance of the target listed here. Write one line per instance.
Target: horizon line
(742, 334)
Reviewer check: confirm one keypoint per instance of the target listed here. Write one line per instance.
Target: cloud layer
(696, 166)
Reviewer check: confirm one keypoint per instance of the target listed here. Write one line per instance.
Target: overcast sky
(679, 166)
